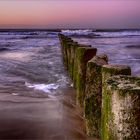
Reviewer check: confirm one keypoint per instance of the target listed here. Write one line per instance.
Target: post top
(124, 82)
(86, 48)
(116, 66)
(99, 60)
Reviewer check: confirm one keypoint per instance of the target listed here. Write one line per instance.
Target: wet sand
(41, 118)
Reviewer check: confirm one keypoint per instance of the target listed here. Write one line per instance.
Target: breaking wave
(47, 88)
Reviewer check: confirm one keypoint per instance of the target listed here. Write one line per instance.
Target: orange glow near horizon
(63, 14)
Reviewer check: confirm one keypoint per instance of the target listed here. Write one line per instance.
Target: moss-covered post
(123, 121)
(107, 72)
(75, 62)
(61, 36)
(64, 41)
(93, 93)
(67, 45)
(83, 55)
(72, 58)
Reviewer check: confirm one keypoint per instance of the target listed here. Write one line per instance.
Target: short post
(65, 52)
(107, 72)
(93, 93)
(83, 55)
(122, 108)
(75, 62)
(64, 41)
(72, 58)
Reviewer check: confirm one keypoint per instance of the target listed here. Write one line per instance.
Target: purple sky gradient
(70, 13)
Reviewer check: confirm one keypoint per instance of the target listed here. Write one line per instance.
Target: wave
(118, 34)
(133, 46)
(87, 33)
(28, 35)
(102, 34)
(47, 88)
(3, 49)
(80, 33)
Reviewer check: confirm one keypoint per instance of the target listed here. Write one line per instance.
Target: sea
(37, 98)
(31, 60)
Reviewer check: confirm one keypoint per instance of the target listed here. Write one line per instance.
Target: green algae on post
(64, 40)
(107, 72)
(83, 55)
(75, 63)
(72, 59)
(93, 93)
(66, 52)
(123, 108)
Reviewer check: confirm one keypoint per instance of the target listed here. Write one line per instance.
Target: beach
(41, 118)
(37, 98)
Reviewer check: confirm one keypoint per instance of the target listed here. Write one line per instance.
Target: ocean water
(31, 65)
(31, 61)
(122, 47)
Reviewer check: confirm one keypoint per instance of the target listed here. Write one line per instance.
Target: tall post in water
(122, 108)
(70, 58)
(83, 55)
(107, 72)
(93, 95)
(75, 66)
(73, 48)
(64, 41)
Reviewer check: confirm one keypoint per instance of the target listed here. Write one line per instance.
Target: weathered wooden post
(70, 58)
(64, 41)
(83, 55)
(93, 93)
(122, 110)
(75, 63)
(107, 72)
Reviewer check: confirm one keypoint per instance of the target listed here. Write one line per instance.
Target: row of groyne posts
(108, 94)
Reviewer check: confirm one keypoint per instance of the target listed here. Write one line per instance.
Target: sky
(69, 13)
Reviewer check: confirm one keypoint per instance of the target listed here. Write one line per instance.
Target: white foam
(20, 56)
(119, 34)
(15, 94)
(77, 32)
(71, 85)
(43, 87)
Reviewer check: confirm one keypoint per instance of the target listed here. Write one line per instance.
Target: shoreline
(41, 118)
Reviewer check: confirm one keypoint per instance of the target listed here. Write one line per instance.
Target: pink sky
(70, 13)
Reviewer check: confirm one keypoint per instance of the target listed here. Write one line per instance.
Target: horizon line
(2, 29)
